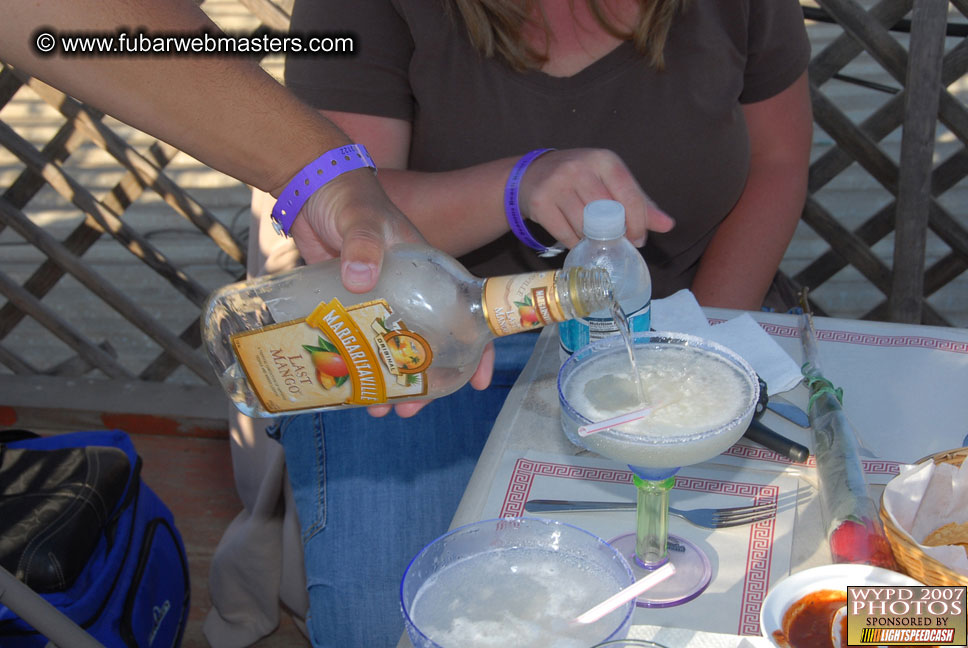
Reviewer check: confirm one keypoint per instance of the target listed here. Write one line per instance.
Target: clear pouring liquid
(622, 323)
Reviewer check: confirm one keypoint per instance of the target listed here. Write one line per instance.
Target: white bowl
(834, 577)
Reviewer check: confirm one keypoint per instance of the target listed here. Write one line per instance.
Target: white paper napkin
(681, 313)
(925, 497)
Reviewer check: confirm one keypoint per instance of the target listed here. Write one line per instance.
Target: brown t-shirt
(681, 131)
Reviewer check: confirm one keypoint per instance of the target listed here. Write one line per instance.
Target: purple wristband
(312, 177)
(511, 209)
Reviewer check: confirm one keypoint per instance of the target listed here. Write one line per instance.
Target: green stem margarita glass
(703, 397)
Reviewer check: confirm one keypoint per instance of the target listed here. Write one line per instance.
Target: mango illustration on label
(362, 355)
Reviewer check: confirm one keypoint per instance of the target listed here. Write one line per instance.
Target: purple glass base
(693, 571)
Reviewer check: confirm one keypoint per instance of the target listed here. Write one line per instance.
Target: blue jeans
(372, 492)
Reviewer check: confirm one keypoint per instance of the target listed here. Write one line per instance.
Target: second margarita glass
(703, 397)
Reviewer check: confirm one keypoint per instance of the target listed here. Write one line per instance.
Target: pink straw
(635, 589)
(635, 415)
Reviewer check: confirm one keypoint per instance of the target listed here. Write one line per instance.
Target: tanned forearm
(457, 211)
(227, 112)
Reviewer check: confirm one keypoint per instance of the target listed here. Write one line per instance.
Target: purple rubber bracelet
(511, 209)
(312, 177)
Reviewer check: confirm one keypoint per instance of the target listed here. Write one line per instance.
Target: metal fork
(709, 518)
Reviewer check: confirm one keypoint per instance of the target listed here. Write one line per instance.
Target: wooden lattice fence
(41, 388)
(924, 73)
(61, 366)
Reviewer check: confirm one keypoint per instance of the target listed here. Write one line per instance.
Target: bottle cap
(604, 219)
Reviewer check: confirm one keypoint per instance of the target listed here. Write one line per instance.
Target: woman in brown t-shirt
(719, 137)
(703, 107)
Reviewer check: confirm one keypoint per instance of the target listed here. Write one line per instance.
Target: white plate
(836, 577)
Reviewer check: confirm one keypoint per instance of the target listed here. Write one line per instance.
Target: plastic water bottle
(605, 246)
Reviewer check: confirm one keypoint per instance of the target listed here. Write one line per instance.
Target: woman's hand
(558, 185)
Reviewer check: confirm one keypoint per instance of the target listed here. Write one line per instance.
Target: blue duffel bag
(80, 528)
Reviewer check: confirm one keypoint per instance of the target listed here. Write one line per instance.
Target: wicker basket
(909, 556)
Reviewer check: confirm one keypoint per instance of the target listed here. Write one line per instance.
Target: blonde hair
(495, 28)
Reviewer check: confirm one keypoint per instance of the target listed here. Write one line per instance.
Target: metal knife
(789, 411)
(555, 506)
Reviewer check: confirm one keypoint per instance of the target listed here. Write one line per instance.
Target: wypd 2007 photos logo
(906, 616)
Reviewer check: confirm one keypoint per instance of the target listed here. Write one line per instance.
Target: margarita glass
(514, 582)
(702, 396)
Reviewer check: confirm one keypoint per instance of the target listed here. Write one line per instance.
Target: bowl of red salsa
(799, 610)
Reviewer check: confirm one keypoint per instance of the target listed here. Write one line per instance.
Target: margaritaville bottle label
(521, 302)
(360, 355)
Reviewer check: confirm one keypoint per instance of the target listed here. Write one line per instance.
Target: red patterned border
(871, 466)
(760, 548)
(866, 339)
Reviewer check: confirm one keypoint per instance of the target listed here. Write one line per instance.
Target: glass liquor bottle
(298, 341)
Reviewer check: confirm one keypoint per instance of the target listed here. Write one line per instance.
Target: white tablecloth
(905, 392)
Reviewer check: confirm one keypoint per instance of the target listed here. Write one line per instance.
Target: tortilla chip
(953, 533)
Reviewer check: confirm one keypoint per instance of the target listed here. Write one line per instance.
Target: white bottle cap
(604, 219)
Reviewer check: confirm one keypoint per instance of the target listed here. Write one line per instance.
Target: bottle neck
(525, 302)
(583, 291)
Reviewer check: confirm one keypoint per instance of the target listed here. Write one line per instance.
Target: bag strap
(10, 436)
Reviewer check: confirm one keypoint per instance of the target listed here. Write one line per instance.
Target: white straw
(635, 415)
(635, 589)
